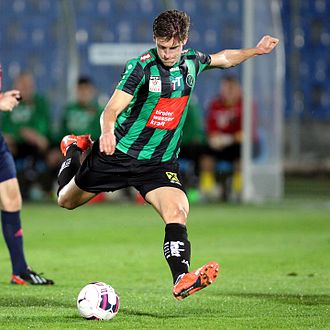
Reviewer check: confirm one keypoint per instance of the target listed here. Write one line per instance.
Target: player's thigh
(71, 196)
(10, 195)
(171, 203)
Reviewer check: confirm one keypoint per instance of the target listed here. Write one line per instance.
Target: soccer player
(11, 203)
(140, 137)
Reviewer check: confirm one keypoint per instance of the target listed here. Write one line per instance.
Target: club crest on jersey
(190, 80)
(173, 177)
(155, 84)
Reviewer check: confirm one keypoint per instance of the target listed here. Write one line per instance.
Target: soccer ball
(98, 301)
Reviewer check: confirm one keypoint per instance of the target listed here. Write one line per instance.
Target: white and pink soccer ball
(98, 301)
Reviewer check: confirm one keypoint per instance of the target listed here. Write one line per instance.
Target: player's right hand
(9, 100)
(108, 143)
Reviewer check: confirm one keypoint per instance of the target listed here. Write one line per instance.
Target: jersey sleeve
(204, 61)
(132, 77)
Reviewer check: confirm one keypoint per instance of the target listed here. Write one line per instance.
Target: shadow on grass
(30, 301)
(292, 299)
(135, 312)
(44, 302)
(130, 312)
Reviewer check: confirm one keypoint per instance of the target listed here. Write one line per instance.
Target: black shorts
(102, 173)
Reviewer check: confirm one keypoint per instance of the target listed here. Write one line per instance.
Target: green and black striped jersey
(151, 126)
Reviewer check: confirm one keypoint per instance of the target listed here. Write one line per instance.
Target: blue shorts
(7, 164)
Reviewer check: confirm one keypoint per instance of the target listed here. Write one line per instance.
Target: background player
(141, 132)
(11, 203)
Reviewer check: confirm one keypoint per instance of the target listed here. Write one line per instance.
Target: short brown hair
(172, 24)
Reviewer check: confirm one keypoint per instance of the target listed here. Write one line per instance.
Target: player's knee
(65, 202)
(177, 214)
(12, 204)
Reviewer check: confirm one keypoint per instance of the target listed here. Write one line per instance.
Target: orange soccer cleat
(192, 282)
(83, 142)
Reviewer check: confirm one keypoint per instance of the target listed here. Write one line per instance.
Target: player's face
(169, 52)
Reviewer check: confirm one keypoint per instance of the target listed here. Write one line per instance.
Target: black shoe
(30, 277)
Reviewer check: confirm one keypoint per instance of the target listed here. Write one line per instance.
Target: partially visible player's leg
(172, 205)
(11, 203)
(70, 195)
(10, 196)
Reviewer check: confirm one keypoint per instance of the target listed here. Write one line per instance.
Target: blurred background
(70, 53)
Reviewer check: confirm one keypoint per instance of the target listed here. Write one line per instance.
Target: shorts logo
(173, 177)
(155, 84)
(190, 80)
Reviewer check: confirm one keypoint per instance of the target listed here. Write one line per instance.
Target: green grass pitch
(275, 267)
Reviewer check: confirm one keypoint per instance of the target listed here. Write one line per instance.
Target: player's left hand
(267, 44)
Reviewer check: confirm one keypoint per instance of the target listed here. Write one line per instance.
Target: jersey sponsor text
(167, 113)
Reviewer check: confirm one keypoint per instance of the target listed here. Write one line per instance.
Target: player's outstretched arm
(9, 100)
(232, 57)
(117, 103)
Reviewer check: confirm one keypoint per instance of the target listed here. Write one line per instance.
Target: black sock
(69, 167)
(13, 234)
(177, 249)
